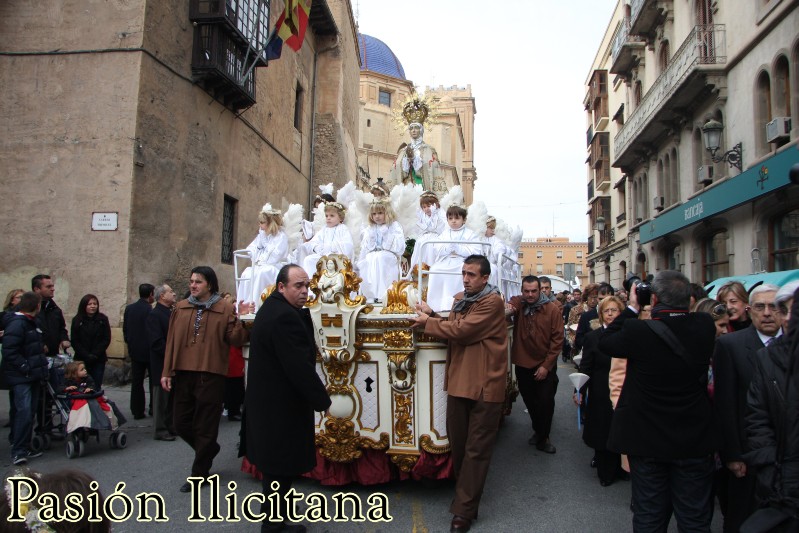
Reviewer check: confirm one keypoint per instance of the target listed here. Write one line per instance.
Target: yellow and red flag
(290, 28)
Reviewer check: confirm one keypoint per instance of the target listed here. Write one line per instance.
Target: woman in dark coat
(599, 409)
(772, 426)
(91, 335)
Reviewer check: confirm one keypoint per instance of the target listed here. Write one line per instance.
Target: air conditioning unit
(658, 203)
(777, 129)
(705, 174)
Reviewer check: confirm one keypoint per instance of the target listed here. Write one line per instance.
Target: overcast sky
(527, 62)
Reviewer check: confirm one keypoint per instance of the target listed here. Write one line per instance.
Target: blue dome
(378, 57)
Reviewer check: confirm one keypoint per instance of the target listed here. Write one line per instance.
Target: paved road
(527, 490)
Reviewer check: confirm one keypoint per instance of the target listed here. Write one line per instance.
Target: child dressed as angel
(382, 245)
(334, 238)
(429, 223)
(268, 252)
(445, 274)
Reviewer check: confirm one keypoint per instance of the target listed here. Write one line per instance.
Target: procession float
(385, 379)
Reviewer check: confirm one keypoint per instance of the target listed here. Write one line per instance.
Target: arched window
(784, 234)
(638, 93)
(661, 183)
(674, 178)
(607, 272)
(700, 156)
(666, 191)
(762, 111)
(715, 258)
(641, 262)
(782, 88)
(644, 195)
(663, 57)
(623, 270)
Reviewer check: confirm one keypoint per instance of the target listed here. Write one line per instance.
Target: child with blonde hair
(382, 244)
(268, 250)
(334, 238)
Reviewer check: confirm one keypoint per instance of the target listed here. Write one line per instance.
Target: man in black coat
(733, 367)
(134, 330)
(50, 318)
(157, 326)
(664, 418)
(284, 391)
(24, 367)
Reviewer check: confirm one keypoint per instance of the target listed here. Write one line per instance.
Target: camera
(643, 290)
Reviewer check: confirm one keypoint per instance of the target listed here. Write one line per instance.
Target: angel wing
(478, 216)
(405, 202)
(292, 224)
(346, 194)
(357, 216)
(326, 189)
(516, 238)
(453, 196)
(503, 231)
(319, 218)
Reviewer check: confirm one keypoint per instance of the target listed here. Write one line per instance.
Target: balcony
(598, 99)
(646, 15)
(696, 69)
(218, 64)
(247, 21)
(600, 149)
(602, 175)
(626, 49)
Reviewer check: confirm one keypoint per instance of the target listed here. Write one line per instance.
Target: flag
(290, 28)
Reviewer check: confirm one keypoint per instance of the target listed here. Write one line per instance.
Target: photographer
(664, 420)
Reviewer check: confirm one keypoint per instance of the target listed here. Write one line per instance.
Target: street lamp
(711, 132)
(599, 225)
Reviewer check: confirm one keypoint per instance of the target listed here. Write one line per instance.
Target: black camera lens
(644, 293)
(628, 283)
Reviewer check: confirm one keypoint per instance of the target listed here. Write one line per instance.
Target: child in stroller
(90, 411)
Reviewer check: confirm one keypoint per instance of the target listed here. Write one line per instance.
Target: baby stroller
(51, 415)
(85, 414)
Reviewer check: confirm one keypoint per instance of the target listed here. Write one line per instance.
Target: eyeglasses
(610, 310)
(760, 307)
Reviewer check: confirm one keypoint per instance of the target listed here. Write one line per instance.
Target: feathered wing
(292, 224)
(357, 215)
(405, 202)
(477, 218)
(516, 238)
(326, 189)
(346, 194)
(503, 231)
(453, 196)
(318, 218)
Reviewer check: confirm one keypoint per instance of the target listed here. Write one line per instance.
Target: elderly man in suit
(476, 374)
(664, 418)
(279, 410)
(734, 365)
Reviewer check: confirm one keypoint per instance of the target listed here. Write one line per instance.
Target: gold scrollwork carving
(339, 442)
(404, 461)
(397, 299)
(403, 423)
(401, 370)
(424, 337)
(398, 338)
(352, 282)
(376, 323)
(369, 338)
(426, 441)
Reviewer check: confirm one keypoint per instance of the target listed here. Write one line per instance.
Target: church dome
(376, 56)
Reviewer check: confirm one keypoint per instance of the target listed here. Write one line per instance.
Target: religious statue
(330, 282)
(417, 162)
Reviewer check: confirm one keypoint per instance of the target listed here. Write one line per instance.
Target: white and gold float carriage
(385, 379)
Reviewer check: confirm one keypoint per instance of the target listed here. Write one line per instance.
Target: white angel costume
(268, 254)
(510, 271)
(428, 227)
(494, 256)
(445, 274)
(335, 240)
(378, 264)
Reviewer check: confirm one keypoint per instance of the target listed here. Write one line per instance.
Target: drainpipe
(313, 121)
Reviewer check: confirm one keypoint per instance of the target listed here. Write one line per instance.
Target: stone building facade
(669, 199)
(110, 108)
(554, 256)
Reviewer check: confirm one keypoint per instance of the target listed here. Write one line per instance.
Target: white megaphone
(579, 379)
